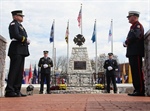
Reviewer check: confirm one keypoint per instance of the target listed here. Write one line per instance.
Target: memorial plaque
(79, 65)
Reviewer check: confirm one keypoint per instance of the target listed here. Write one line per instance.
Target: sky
(39, 16)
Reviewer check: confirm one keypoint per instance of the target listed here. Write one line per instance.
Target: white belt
(14, 39)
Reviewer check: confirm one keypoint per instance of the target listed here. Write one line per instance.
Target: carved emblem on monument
(79, 40)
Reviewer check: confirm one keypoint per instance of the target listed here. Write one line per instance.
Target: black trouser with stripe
(15, 74)
(110, 76)
(43, 76)
(137, 73)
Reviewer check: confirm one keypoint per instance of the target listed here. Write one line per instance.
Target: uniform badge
(138, 26)
(13, 23)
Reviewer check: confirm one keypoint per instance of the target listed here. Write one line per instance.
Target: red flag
(79, 17)
(30, 74)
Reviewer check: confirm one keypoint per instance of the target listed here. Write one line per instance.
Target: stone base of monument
(2, 64)
(122, 88)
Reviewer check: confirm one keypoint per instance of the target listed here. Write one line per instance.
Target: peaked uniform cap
(133, 13)
(110, 54)
(45, 52)
(17, 12)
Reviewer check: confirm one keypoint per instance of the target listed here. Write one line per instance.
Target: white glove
(45, 65)
(124, 44)
(116, 69)
(28, 41)
(110, 68)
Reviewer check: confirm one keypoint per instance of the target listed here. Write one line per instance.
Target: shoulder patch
(13, 23)
(138, 26)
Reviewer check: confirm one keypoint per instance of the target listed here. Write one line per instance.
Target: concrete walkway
(76, 102)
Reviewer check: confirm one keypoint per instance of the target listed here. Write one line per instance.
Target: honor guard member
(17, 52)
(45, 63)
(111, 66)
(135, 51)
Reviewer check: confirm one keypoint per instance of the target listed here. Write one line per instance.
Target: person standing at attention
(135, 51)
(17, 52)
(45, 63)
(111, 66)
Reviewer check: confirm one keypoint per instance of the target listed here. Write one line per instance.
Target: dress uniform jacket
(47, 61)
(135, 40)
(18, 35)
(112, 63)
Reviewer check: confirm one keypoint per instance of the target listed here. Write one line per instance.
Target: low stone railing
(2, 64)
(147, 63)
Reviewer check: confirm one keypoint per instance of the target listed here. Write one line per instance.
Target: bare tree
(61, 64)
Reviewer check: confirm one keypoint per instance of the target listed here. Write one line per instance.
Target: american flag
(26, 76)
(79, 17)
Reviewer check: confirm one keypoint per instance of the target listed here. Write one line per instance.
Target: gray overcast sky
(39, 15)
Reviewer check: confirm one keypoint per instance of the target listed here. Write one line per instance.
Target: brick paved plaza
(76, 102)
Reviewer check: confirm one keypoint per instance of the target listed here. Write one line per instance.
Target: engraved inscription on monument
(79, 65)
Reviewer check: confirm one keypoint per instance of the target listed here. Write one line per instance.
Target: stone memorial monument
(147, 63)
(2, 64)
(80, 70)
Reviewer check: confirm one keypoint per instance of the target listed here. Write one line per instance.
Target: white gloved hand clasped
(116, 69)
(45, 65)
(28, 41)
(109, 68)
(124, 44)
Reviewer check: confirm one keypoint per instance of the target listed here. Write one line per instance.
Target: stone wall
(147, 63)
(2, 64)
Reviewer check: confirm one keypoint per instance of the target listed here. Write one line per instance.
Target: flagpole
(96, 49)
(68, 49)
(81, 18)
(53, 47)
(112, 35)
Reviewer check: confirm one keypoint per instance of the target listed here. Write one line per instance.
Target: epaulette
(13, 23)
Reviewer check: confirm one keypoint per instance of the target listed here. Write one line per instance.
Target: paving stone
(75, 102)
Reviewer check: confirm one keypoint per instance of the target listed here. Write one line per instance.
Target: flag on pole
(110, 33)
(123, 72)
(67, 33)
(26, 77)
(34, 80)
(23, 79)
(52, 33)
(30, 74)
(79, 17)
(94, 33)
(129, 75)
(39, 76)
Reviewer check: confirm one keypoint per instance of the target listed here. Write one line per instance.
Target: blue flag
(52, 34)
(94, 34)
(34, 76)
(110, 33)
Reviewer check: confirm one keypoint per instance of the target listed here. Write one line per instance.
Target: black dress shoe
(48, 93)
(21, 95)
(136, 94)
(40, 92)
(11, 94)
